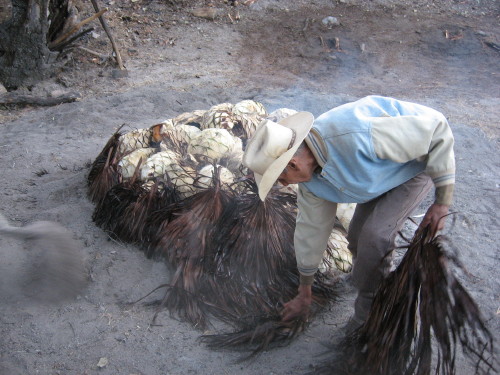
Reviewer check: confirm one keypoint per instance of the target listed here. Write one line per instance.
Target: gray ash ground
(279, 53)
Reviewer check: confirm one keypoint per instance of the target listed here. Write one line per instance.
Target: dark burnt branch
(16, 98)
(56, 43)
(66, 43)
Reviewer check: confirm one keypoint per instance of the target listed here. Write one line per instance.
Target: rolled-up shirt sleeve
(315, 221)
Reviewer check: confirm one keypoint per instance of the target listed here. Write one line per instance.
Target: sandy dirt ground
(281, 54)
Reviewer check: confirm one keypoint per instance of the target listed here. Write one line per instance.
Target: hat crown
(273, 145)
(269, 142)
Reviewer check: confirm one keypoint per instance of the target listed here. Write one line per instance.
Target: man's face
(294, 173)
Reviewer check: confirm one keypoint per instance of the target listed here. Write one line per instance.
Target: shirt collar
(317, 147)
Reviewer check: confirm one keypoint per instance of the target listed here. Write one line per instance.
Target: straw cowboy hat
(273, 145)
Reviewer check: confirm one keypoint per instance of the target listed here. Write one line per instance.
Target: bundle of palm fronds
(255, 261)
(103, 174)
(254, 252)
(187, 243)
(125, 210)
(420, 302)
(234, 260)
(109, 211)
(261, 329)
(262, 334)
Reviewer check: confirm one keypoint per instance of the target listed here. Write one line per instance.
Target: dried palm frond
(125, 208)
(268, 225)
(103, 173)
(257, 333)
(153, 196)
(420, 302)
(262, 335)
(256, 272)
(186, 242)
(255, 252)
(157, 220)
(109, 212)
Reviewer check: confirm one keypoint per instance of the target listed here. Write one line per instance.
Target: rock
(3, 90)
(207, 13)
(103, 362)
(330, 21)
(56, 93)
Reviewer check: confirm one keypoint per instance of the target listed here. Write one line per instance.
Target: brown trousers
(372, 235)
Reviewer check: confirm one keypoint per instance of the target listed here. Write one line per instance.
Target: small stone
(103, 362)
(330, 21)
(57, 93)
(207, 13)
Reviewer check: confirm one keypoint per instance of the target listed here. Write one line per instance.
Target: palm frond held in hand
(420, 302)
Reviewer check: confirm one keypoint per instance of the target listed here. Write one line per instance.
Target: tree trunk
(25, 57)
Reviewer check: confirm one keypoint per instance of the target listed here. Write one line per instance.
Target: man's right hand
(299, 306)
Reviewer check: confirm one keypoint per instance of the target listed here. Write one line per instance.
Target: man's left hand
(435, 218)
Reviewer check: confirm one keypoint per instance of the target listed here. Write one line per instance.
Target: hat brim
(301, 123)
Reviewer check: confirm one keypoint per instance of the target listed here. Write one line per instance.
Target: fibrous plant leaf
(109, 212)
(186, 242)
(418, 307)
(103, 174)
(256, 273)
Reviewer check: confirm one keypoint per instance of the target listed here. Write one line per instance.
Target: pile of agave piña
(179, 190)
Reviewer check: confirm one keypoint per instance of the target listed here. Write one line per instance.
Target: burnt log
(16, 98)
